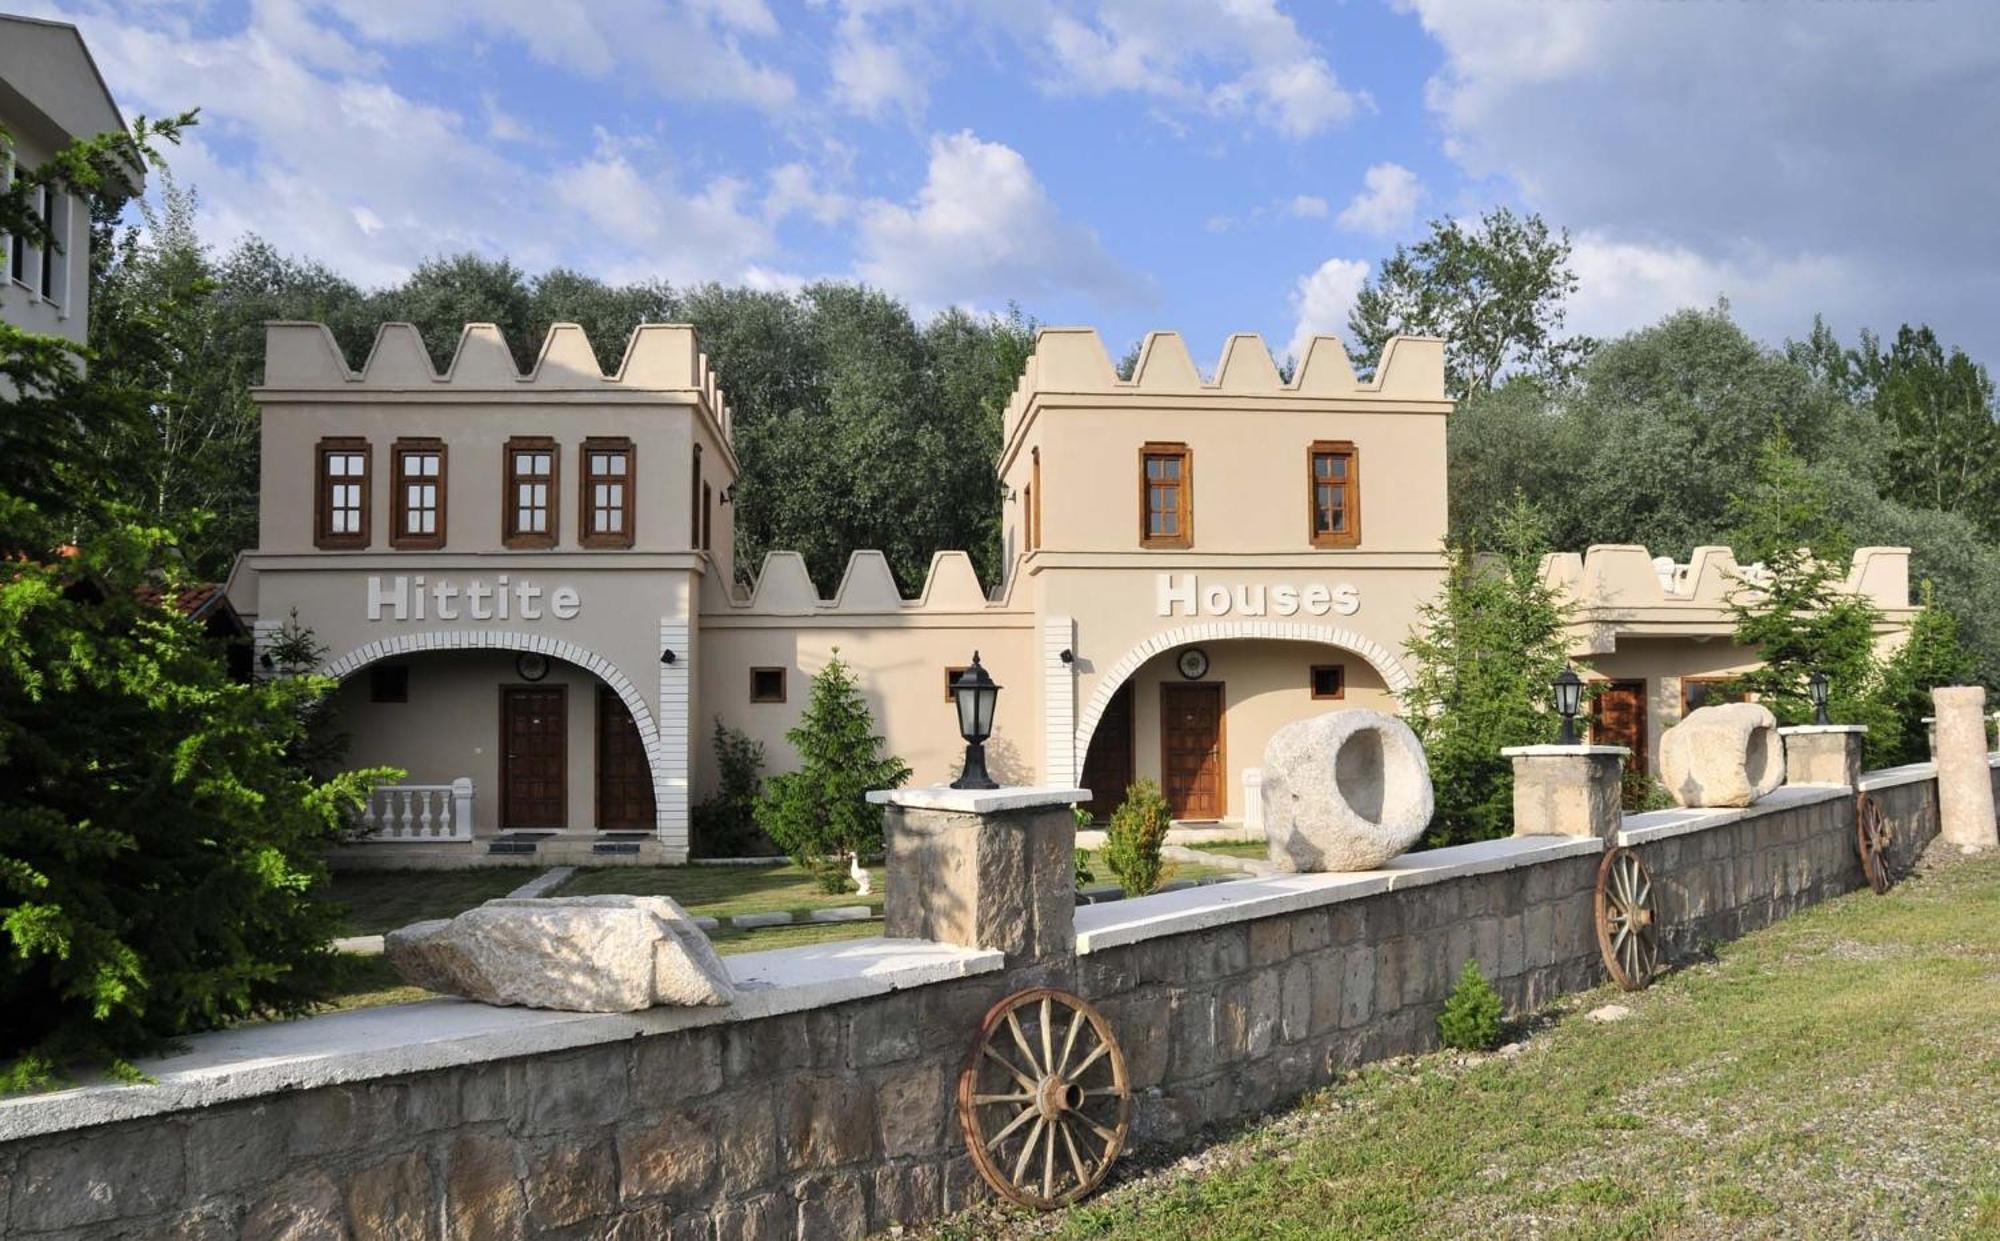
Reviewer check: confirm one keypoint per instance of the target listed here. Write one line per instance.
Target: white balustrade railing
(419, 812)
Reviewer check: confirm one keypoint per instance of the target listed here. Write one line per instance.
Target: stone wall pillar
(1965, 778)
(1567, 790)
(1823, 753)
(990, 868)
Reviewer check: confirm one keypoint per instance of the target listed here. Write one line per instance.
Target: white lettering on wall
(402, 598)
(1182, 594)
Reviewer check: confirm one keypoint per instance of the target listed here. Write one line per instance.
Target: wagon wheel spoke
(1028, 1148)
(1069, 1043)
(1021, 1041)
(1026, 1081)
(1007, 1130)
(1075, 1159)
(1089, 1060)
(988, 1100)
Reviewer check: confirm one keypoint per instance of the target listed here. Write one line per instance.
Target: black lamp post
(975, 694)
(1816, 687)
(1569, 697)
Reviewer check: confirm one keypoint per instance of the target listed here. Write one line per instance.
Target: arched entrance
(1199, 725)
(539, 726)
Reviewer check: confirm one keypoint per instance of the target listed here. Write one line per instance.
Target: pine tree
(1485, 651)
(819, 813)
(1799, 617)
(1929, 657)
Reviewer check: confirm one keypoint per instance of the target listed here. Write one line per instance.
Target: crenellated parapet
(1626, 577)
(1074, 361)
(784, 587)
(304, 359)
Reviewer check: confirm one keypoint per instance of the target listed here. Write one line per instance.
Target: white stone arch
(555, 648)
(1379, 657)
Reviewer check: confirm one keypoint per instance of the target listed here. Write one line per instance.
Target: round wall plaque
(531, 665)
(1193, 663)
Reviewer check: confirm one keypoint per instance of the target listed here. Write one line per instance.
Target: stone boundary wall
(822, 1105)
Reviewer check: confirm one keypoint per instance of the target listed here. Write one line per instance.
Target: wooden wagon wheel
(1872, 836)
(1043, 1099)
(1627, 936)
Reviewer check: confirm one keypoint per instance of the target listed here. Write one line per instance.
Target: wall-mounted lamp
(667, 656)
(1068, 656)
(266, 660)
(1009, 497)
(729, 493)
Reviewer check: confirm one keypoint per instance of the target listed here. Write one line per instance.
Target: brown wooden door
(1107, 765)
(624, 779)
(1191, 753)
(534, 756)
(1618, 717)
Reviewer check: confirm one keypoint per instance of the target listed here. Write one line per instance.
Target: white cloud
(1625, 285)
(1387, 203)
(872, 73)
(1243, 58)
(1308, 207)
(1724, 144)
(1321, 300)
(982, 227)
(686, 49)
(795, 188)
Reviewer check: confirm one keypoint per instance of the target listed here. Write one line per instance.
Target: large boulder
(1344, 791)
(584, 954)
(1725, 755)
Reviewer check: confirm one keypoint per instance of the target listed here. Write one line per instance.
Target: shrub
(726, 825)
(1471, 1017)
(160, 831)
(1133, 841)
(819, 814)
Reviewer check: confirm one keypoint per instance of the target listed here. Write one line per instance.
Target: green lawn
(379, 901)
(1836, 1075)
(1237, 848)
(719, 891)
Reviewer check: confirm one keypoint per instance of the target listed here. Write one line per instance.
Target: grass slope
(1837, 1075)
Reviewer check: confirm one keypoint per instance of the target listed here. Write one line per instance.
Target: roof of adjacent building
(47, 71)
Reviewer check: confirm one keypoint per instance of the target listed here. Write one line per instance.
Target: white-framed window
(54, 255)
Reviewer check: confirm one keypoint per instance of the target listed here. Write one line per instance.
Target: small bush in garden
(726, 824)
(1639, 793)
(1133, 841)
(1471, 1017)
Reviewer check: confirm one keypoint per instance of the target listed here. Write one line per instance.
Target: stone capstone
(1344, 791)
(1725, 755)
(585, 954)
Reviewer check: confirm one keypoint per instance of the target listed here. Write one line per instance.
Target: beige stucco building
(526, 582)
(50, 95)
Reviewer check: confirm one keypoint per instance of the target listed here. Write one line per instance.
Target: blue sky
(1203, 165)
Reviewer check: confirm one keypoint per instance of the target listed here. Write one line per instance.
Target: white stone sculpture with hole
(1344, 791)
(583, 954)
(1725, 755)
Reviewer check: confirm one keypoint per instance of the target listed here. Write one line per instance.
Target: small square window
(767, 685)
(1329, 681)
(389, 683)
(951, 675)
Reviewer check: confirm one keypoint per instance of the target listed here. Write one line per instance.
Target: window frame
(54, 252)
(510, 535)
(757, 698)
(1034, 505)
(400, 534)
(1184, 498)
(588, 535)
(1339, 672)
(324, 536)
(1351, 487)
(694, 502)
